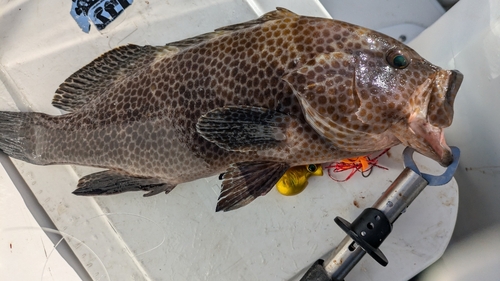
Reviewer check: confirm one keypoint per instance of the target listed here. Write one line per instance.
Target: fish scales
(224, 77)
(249, 100)
(210, 74)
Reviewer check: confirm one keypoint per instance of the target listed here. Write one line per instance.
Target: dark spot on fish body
(413, 82)
(369, 117)
(113, 118)
(192, 105)
(220, 79)
(320, 90)
(249, 83)
(341, 88)
(292, 65)
(308, 41)
(250, 70)
(343, 109)
(270, 43)
(181, 90)
(383, 98)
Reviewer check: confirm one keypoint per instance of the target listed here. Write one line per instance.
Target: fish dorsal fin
(279, 13)
(97, 76)
(94, 78)
(243, 182)
(189, 42)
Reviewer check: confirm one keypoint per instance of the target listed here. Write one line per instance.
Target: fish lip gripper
(373, 225)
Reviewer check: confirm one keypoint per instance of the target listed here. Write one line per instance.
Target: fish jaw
(431, 142)
(425, 138)
(432, 111)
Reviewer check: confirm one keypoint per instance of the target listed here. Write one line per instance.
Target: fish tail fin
(15, 138)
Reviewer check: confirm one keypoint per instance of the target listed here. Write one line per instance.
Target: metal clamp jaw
(433, 180)
(373, 225)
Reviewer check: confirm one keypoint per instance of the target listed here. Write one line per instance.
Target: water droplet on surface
(389, 204)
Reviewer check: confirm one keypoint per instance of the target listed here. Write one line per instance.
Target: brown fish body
(250, 100)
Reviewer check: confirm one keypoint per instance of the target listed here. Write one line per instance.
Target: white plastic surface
(401, 19)
(26, 253)
(179, 236)
(469, 40)
(474, 258)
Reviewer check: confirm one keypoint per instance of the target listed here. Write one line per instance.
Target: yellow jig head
(294, 181)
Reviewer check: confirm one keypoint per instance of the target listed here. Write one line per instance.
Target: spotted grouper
(249, 100)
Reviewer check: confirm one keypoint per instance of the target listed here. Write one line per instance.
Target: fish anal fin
(243, 182)
(243, 128)
(96, 77)
(112, 182)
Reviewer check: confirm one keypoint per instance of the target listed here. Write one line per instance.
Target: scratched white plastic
(179, 236)
(26, 252)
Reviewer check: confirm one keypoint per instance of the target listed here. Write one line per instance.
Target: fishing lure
(294, 181)
(363, 164)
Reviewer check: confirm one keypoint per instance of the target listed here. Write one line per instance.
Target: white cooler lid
(179, 236)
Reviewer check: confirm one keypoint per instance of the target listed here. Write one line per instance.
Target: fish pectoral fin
(243, 182)
(243, 128)
(112, 182)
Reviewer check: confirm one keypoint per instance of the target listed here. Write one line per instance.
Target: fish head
(376, 94)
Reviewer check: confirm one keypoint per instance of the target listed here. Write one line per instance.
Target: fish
(295, 179)
(248, 101)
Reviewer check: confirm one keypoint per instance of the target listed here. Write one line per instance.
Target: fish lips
(427, 125)
(445, 86)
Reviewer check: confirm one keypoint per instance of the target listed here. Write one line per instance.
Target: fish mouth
(431, 142)
(424, 131)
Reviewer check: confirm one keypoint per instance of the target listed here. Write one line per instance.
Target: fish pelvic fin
(112, 182)
(243, 182)
(96, 77)
(243, 128)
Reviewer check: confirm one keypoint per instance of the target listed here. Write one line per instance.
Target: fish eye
(312, 168)
(396, 59)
